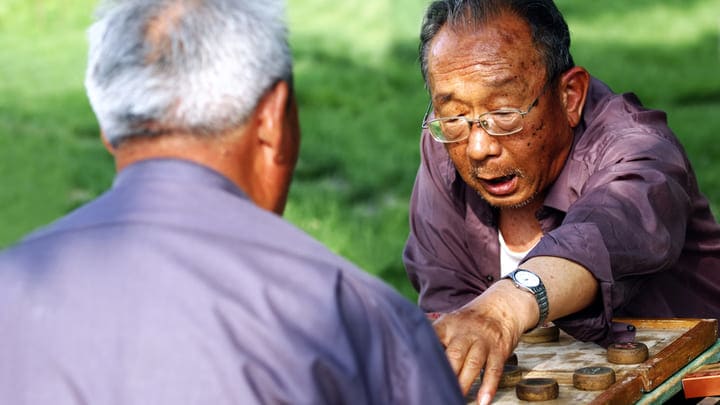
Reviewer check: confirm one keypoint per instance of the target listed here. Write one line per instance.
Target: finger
(456, 352)
(491, 379)
(472, 366)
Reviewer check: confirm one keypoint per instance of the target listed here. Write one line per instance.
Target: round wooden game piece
(511, 376)
(627, 353)
(541, 334)
(593, 378)
(513, 359)
(537, 389)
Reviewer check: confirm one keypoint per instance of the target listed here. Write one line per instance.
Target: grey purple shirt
(626, 206)
(174, 288)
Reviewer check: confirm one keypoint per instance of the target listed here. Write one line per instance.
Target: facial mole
(507, 38)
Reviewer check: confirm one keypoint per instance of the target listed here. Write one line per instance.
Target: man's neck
(520, 227)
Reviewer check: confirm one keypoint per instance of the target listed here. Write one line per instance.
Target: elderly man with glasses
(542, 195)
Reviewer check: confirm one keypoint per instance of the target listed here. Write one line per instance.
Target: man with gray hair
(182, 284)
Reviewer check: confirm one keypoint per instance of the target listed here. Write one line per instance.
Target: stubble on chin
(521, 204)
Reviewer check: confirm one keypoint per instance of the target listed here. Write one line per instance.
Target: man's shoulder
(617, 125)
(220, 234)
(608, 113)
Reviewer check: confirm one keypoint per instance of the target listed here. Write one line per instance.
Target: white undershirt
(509, 259)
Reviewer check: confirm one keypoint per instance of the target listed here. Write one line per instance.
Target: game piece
(627, 353)
(537, 389)
(593, 378)
(541, 334)
(702, 382)
(511, 376)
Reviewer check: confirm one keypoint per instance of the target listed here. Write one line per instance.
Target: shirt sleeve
(628, 222)
(436, 256)
(398, 354)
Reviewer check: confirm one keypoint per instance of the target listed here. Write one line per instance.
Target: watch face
(526, 278)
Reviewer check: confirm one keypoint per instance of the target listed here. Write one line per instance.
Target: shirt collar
(174, 171)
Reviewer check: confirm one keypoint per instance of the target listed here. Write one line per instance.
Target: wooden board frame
(700, 334)
(682, 341)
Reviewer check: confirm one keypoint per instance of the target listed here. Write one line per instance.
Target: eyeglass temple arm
(427, 113)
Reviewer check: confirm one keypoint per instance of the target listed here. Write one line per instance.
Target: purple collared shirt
(174, 288)
(626, 206)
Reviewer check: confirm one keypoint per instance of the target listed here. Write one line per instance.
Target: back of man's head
(183, 66)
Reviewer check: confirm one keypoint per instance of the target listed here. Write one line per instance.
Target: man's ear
(277, 124)
(277, 131)
(573, 86)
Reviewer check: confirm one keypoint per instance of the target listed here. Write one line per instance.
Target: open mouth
(500, 180)
(500, 186)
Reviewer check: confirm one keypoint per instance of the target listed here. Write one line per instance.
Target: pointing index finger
(490, 381)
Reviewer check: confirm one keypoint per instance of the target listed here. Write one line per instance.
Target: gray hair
(195, 66)
(549, 30)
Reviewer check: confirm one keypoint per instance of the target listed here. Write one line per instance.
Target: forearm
(570, 287)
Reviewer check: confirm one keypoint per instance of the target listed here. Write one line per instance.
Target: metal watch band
(543, 305)
(539, 293)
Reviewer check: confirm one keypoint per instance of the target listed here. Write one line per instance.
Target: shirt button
(490, 278)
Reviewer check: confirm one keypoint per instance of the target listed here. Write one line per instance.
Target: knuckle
(474, 363)
(493, 370)
(454, 353)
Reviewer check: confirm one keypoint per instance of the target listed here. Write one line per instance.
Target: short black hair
(549, 30)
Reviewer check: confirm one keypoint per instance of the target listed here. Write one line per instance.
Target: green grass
(361, 98)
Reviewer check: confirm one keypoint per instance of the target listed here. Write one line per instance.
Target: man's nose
(481, 145)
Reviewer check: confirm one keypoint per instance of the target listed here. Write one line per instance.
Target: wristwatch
(529, 281)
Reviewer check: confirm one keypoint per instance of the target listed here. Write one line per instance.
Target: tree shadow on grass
(360, 123)
(669, 74)
(594, 10)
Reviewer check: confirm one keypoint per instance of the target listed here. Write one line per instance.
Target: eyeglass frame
(426, 124)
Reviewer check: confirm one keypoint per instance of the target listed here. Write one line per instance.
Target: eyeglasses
(502, 122)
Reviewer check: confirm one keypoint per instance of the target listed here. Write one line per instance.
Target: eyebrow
(442, 98)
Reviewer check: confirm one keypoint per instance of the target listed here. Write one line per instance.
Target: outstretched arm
(480, 336)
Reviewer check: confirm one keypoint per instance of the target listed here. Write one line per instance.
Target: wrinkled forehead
(496, 53)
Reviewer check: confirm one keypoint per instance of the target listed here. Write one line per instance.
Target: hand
(480, 336)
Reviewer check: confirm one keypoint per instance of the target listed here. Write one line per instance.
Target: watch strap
(543, 304)
(538, 291)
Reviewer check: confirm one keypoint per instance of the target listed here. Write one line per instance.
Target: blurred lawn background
(361, 98)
